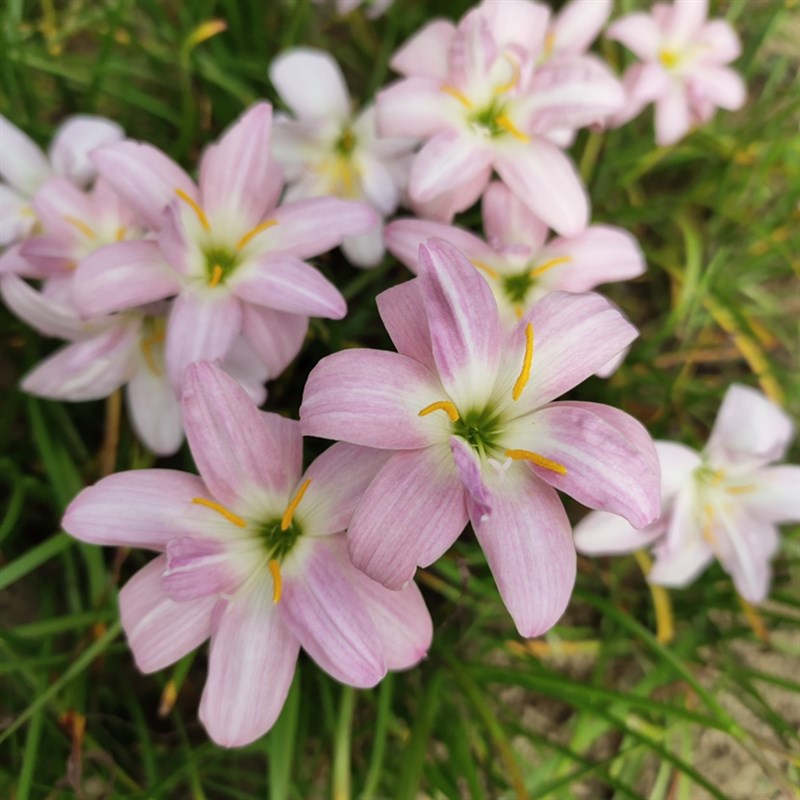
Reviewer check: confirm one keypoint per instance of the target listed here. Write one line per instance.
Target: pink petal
(686, 19)
(408, 329)
(527, 540)
(508, 221)
(139, 508)
(276, 336)
(776, 498)
(410, 515)
(548, 183)
(250, 668)
(466, 334)
(49, 317)
(310, 82)
(144, 177)
(75, 139)
(178, 243)
(202, 326)
(425, 54)
(198, 566)
(56, 199)
(323, 609)
(678, 568)
(243, 365)
(517, 22)
(308, 228)
(578, 24)
(673, 118)
(22, 163)
(720, 42)
(365, 250)
(473, 50)
(159, 630)
(601, 254)
(287, 284)
(371, 398)
(154, 409)
(16, 221)
(446, 162)
(339, 477)
(443, 207)
(611, 463)
(749, 429)
(639, 33)
(234, 173)
(601, 533)
(643, 84)
(677, 462)
(719, 85)
(123, 275)
(233, 445)
(433, 109)
(468, 469)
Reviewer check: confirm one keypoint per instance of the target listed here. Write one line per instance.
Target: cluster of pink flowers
(193, 294)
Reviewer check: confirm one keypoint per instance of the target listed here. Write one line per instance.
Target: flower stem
(341, 746)
(108, 452)
(665, 621)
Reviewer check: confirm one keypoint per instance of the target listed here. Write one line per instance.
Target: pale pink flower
(723, 502)
(465, 407)
(682, 68)
(574, 28)
(330, 150)
(252, 555)
(518, 262)
(373, 8)
(483, 98)
(235, 261)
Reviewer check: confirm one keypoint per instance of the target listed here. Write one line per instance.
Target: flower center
(220, 263)
(480, 429)
(346, 142)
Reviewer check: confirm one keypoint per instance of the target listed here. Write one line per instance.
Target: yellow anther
(549, 44)
(535, 458)
(275, 569)
(746, 489)
(708, 525)
(220, 509)
(147, 350)
(548, 265)
(525, 373)
(442, 405)
(717, 477)
(120, 233)
(510, 84)
(484, 267)
(286, 519)
(81, 226)
(668, 58)
(507, 125)
(269, 223)
(168, 697)
(216, 276)
(27, 211)
(201, 215)
(518, 311)
(459, 95)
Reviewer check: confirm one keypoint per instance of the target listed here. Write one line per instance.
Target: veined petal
(639, 33)
(323, 609)
(338, 478)
(250, 667)
(578, 24)
(547, 182)
(75, 139)
(48, 316)
(749, 429)
(276, 336)
(310, 82)
(601, 533)
(444, 206)
(466, 334)
(473, 50)
(508, 221)
(123, 275)
(22, 163)
(527, 540)
(285, 283)
(673, 117)
(408, 329)
(721, 86)
(144, 177)
(433, 109)
(62, 208)
(198, 566)
(139, 508)
(776, 498)
(409, 515)
(686, 19)
(425, 53)
(468, 469)
(202, 326)
(371, 398)
(517, 22)
(154, 409)
(233, 446)
(234, 173)
(159, 630)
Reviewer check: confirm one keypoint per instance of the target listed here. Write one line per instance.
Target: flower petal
(720, 42)
(198, 566)
(686, 19)
(56, 202)
(527, 540)
(75, 139)
(721, 86)
(153, 407)
(16, 221)
(425, 53)
(251, 664)
(409, 515)
(22, 163)
(276, 336)
(408, 329)
(679, 567)
(601, 533)
(365, 250)
(159, 630)
(673, 117)
(578, 24)
(517, 22)
(48, 316)
(444, 206)
(243, 364)
(639, 33)
(468, 469)
(677, 462)
(508, 221)
(777, 495)
(433, 109)
(139, 508)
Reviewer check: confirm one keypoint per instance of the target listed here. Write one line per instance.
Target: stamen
(549, 44)
(553, 262)
(275, 569)
(120, 234)
(505, 87)
(220, 509)
(484, 267)
(147, 350)
(750, 487)
(717, 477)
(507, 125)
(268, 223)
(442, 405)
(216, 276)
(286, 519)
(525, 374)
(708, 526)
(535, 458)
(459, 95)
(81, 226)
(201, 215)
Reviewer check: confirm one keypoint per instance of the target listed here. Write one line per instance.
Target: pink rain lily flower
(24, 168)
(682, 68)
(328, 150)
(518, 262)
(574, 28)
(106, 353)
(723, 502)
(235, 261)
(465, 407)
(374, 8)
(252, 555)
(483, 98)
